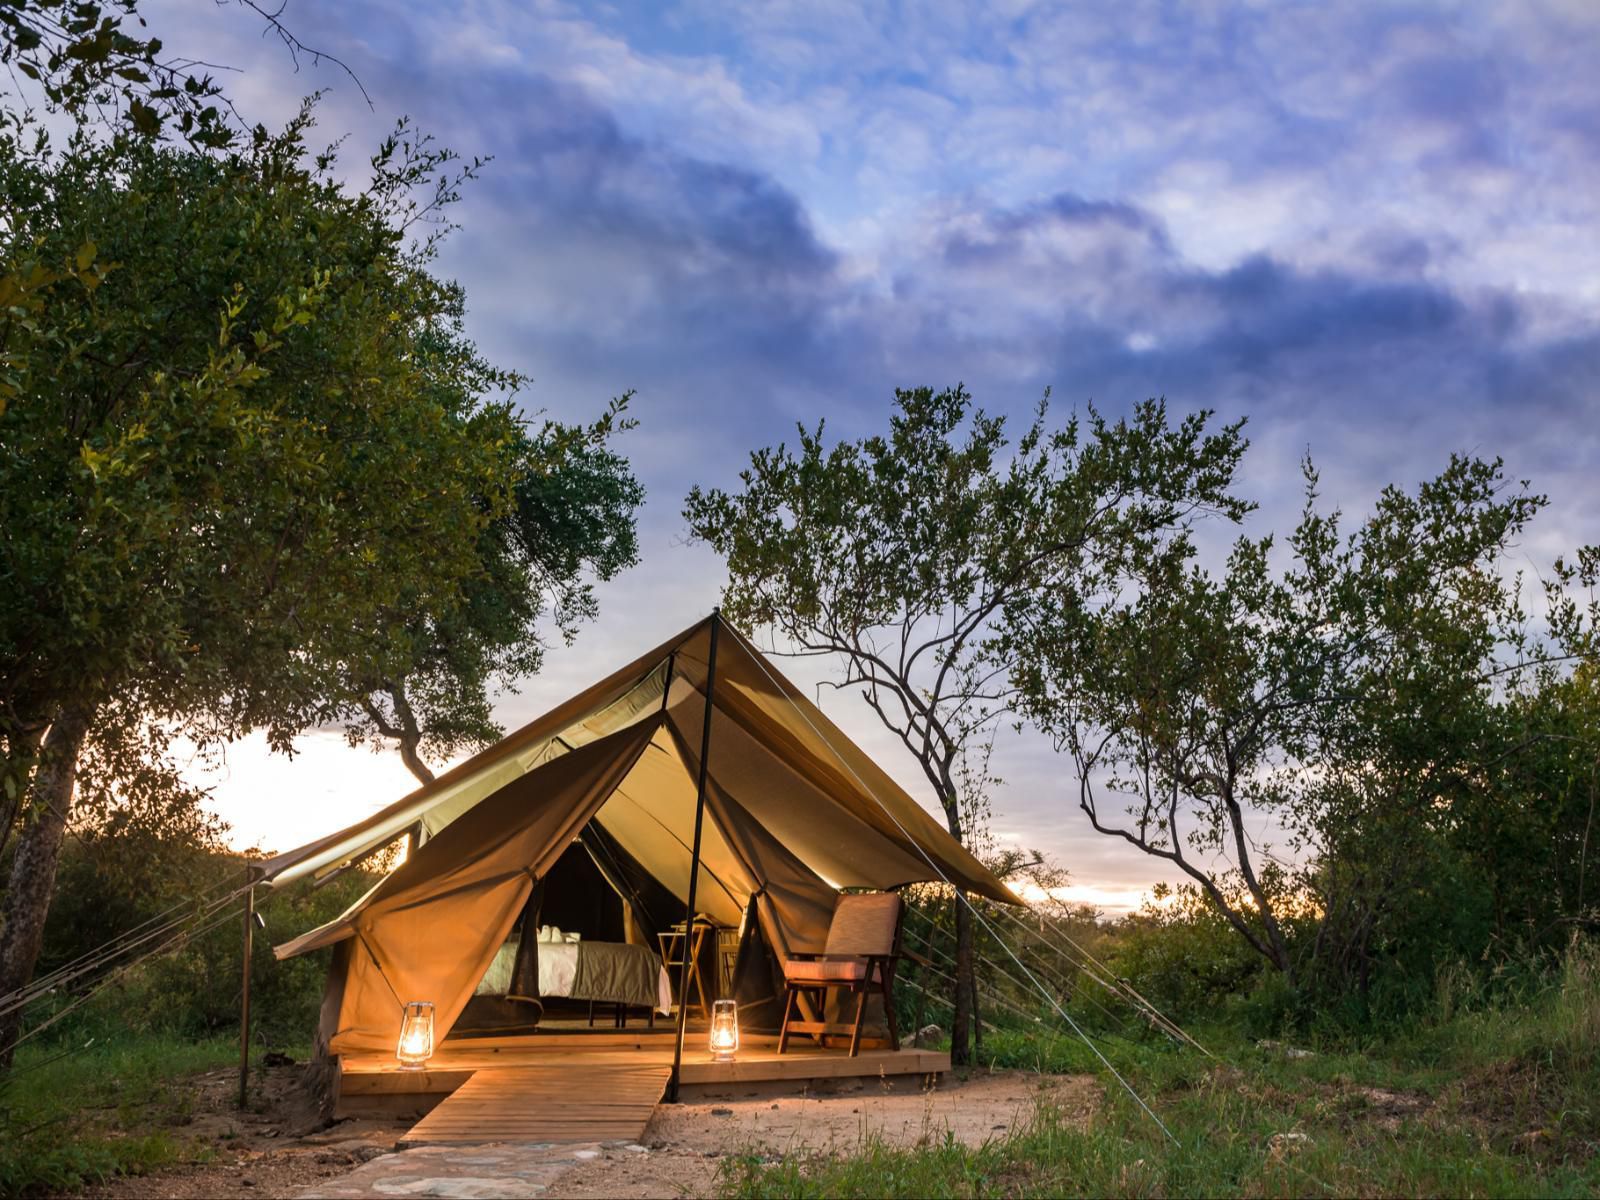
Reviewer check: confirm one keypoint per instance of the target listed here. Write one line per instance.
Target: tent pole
(694, 861)
(244, 993)
(666, 686)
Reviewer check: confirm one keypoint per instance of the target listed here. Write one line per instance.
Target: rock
(927, 1035)
(1132, 1178)
(1526, 1142)
(246, 1181)
(1281, 1145)
(722, 1112)
(1286, 1051)
(367, 1153)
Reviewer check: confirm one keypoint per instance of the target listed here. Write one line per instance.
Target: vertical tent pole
(244, 994)
(694, 860)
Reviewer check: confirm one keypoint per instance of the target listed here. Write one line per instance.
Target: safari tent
(632, 796)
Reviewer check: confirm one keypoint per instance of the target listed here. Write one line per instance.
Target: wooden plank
(555, 1080)
(451, 1060)
(547, 1101)
(576, 1038)
(816, 1065)
(375, 1083)
(451, 1055)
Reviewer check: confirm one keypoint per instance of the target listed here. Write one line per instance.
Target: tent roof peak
(780, 735)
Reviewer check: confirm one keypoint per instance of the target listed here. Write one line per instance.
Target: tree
(1452, 814)
(899, 555)
(1347, 697)
(1528, 832)
(426, 685)
(221, 455)
(94, 61)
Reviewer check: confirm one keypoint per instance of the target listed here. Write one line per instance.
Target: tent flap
(430, 930)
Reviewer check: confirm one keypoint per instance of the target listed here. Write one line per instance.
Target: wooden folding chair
(859, 956)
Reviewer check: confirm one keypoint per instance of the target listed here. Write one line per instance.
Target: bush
(1185, 958)
(60, 1115)
(109, 885)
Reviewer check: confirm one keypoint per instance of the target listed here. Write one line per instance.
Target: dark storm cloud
(600, 258)
(593, 253)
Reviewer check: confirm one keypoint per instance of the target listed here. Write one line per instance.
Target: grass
(1498, 1094)
(1485, 1100)
(108, 1110)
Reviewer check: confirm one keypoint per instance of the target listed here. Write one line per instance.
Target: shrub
(1185, 958)
(108, 886)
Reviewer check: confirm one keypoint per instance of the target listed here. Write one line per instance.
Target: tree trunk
(1277, 945)
(413, 760)
(961, 1020)
(965, 985)
(409, 736)
(977, 1013)
(22, 750)
(403, 728)
(33, 871)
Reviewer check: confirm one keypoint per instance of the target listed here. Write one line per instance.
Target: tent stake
(694, 861)
(244, 993)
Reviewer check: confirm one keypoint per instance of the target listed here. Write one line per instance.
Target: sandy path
(685, 1145)
(279, 1149)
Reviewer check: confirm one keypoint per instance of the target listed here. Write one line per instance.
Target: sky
(1371, 229)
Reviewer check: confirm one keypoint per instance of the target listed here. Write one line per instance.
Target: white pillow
(573, 937)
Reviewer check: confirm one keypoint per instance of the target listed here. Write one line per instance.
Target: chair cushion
(864, 923)
(824, 970)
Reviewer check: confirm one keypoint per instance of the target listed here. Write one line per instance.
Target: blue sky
(1369, 228)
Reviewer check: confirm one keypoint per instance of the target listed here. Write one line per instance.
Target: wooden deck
(594, 1087)
(551, 1101)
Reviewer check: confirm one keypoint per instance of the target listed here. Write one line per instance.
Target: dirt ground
(275, 1147)
(281, 1149)
(686, 1142)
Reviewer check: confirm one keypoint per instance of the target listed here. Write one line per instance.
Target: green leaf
(144, 118)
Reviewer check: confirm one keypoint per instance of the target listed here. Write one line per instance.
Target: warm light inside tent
(416, 1035)
(724, 1030)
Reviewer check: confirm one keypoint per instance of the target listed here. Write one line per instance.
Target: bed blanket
(604, 971)
(620, 973)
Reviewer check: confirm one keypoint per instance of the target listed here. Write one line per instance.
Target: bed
(605, 972)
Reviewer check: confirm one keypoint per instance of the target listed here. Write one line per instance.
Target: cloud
(1367, 227)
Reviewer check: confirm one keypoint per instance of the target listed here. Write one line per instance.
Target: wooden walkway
(553, 1101)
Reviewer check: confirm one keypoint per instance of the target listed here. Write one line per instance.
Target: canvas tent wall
(794, 812)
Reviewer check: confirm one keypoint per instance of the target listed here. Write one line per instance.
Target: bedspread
(612, 972)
